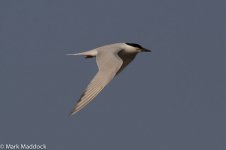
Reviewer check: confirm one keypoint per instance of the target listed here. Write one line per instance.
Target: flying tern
(111, 59)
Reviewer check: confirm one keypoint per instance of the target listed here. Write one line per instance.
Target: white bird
(111, 59)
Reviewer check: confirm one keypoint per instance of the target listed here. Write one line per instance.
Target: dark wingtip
(72, 113)
(89, 56)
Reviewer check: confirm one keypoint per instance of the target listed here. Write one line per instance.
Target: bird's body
(111, 59)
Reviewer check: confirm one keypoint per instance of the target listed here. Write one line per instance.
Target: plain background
(171, 99)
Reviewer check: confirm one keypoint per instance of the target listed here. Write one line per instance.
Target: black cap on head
(134, 45)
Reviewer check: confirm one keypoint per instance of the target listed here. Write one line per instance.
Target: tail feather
(91, 53)
(74, 54)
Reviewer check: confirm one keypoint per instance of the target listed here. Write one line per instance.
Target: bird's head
(137, 48)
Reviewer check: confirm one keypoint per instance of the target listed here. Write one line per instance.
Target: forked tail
(87, 54)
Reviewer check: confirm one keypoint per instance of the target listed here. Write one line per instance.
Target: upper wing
(108, 64)
(127, 58)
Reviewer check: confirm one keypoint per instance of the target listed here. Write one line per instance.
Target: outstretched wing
(126, 58)
(108, 64)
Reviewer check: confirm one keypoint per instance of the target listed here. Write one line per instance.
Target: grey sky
(174, 98)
